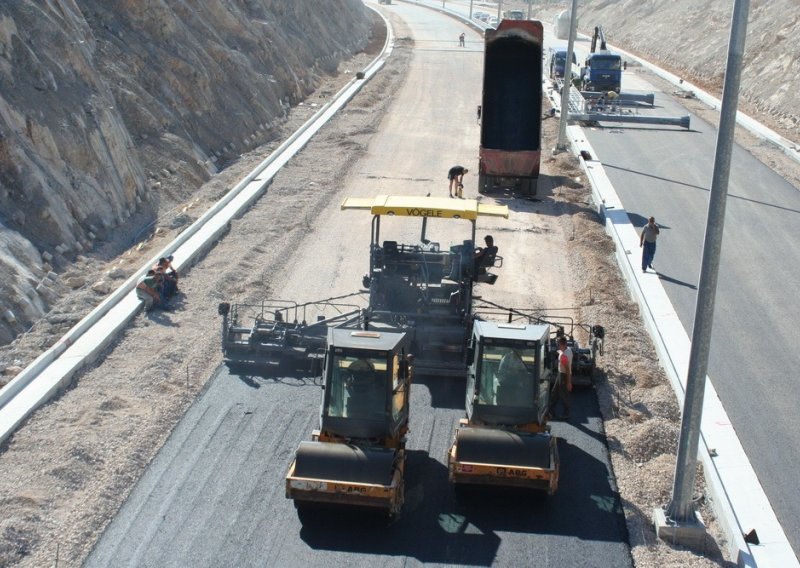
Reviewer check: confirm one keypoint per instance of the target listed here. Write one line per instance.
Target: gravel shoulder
(70, 467)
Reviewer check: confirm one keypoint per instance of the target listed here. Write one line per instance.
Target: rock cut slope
(111, 112)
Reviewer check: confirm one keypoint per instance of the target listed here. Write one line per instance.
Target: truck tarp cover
(512, 87)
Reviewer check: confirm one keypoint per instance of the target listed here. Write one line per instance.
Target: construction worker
(563, 384)
(612, 97)
(147, 290)
(456, 177)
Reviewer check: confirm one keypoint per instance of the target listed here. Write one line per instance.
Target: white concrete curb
(737, 496)
(53, 370)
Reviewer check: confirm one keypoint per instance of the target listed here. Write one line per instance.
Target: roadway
(666, 172)
(214, 493)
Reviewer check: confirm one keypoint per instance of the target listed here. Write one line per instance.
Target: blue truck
(602, 70)
(558, 58)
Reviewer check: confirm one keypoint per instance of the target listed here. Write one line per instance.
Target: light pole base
(689, 534)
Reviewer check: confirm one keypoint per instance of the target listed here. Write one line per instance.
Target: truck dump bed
(511, 120)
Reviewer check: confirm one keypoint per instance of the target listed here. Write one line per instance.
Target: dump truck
(602, 70)
(505, 438)
(557, 63)
(357, 455)
(511, 107)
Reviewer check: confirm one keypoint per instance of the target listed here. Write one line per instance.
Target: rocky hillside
(690, 38)
(103, 102)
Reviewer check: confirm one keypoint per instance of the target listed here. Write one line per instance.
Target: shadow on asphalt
(438, 526)
(445, 392)
(256, 376)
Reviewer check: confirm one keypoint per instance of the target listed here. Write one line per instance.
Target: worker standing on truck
(647, 242)
(456, 177)
(563, 385)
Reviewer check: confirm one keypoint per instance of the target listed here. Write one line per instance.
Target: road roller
(505, 439)
(357, 455)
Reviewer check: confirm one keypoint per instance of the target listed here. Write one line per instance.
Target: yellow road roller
(357, 456)
(505, 438)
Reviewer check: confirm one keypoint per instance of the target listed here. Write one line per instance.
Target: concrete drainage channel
(53, 371)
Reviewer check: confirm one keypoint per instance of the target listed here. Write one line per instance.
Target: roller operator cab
(511, 107)
(357, 456)
(505, 439)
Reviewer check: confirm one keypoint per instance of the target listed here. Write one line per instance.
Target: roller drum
(500, 447)
(344, 462)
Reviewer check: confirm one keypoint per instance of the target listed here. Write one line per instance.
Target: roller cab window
(358, 386)
(507, 376)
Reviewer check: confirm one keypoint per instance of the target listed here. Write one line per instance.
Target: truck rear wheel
(527, 186)
(485, 183)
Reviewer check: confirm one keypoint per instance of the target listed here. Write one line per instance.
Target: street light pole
(679, 522)
(470, 9)
(561, 145)
(499, 9)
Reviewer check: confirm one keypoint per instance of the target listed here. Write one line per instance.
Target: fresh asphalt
(214, 494)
